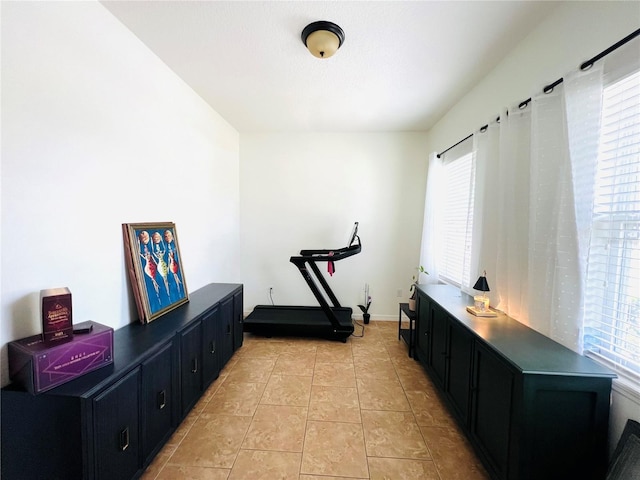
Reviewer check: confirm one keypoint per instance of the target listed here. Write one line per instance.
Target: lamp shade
(322, 38)
(481, 284)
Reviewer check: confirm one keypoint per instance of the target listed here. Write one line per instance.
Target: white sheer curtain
(513, 208)
(531, 235)
(432, 224)
(500, 241)
(525, 234)
(554, 270)
(486, 147)
(583, 104)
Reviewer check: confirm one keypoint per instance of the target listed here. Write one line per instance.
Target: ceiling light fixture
(323, 39)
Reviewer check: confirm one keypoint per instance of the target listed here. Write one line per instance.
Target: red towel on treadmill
(330, 265)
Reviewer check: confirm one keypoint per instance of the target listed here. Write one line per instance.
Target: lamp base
(481, 313)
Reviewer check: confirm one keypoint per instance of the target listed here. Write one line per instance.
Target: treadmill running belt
(298, 321)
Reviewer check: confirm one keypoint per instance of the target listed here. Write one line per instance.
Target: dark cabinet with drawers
(110, 423)
(531, 408)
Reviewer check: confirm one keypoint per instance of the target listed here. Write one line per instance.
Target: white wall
(575, 32)
(304, 191)
(97, 132)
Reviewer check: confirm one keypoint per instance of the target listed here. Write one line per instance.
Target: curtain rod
(549, 88)
(452, 146)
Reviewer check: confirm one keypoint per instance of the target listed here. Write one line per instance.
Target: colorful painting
(155, 268)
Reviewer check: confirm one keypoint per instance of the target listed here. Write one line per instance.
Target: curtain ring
(586, 66)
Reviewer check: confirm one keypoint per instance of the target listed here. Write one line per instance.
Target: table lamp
(481, 302)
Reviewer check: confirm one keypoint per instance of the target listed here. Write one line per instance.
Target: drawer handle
(195, 366)
(228, 329)
(124, 439)
(162, 399)
(212, 346)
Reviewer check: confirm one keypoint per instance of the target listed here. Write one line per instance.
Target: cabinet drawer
(116, 420)
(459, 373)
(190, 367)
(423, 324)
(157, 400)
(210, 346)
(238, 321)
(226, 338)
(438, 345)
(493, 384)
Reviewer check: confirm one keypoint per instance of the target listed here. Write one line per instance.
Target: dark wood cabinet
(117, 423)
(238, 330)
(438, 347)
(110, 423)
(158, 393)
(492, 410)
(423, 339)
(210, 343)
(227, 322)
(459, 351)
(190, 366)
(531, 408)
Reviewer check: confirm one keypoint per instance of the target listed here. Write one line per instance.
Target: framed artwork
(155, 268)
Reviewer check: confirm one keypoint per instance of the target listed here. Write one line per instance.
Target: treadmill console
(354, 234)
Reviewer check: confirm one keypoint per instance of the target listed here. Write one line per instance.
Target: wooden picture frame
(155, 268)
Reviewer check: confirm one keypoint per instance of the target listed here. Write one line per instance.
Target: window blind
(612, 290)
(457, 221)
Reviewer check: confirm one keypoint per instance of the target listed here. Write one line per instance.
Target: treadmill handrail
(323, 255)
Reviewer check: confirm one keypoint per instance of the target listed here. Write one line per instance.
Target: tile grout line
(424, 439)
(306, 423)
(364, 440)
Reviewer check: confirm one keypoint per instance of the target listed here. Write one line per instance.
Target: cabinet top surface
(526, 349)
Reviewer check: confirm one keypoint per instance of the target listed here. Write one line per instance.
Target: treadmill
(325, 321)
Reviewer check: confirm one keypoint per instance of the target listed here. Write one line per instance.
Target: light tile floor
(310, 409)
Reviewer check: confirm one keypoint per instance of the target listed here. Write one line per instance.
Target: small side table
(406, 333)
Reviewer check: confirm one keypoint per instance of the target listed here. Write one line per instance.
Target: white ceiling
(402, 66)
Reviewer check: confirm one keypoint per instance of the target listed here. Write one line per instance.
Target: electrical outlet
(399, 293)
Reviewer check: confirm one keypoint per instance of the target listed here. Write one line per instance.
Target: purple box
(39, 366)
